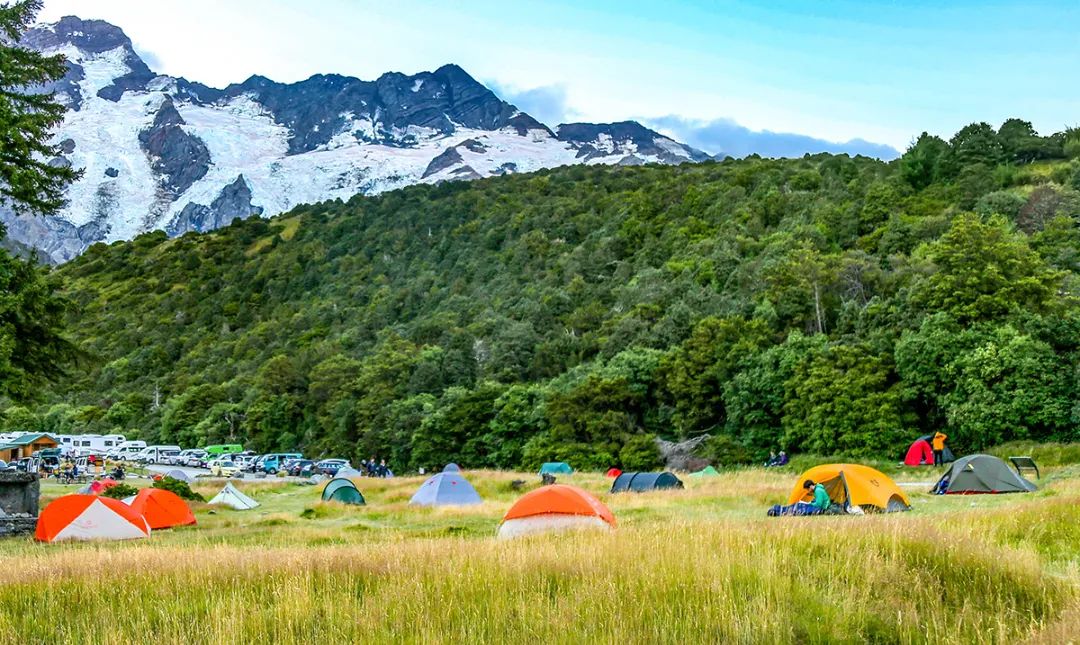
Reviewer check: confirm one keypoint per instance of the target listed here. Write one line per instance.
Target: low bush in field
(179, 487)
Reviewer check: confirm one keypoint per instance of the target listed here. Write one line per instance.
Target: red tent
(614, 472)
(919, 454)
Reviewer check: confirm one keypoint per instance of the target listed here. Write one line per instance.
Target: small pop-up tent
(919, 454)
(556, 468)
(557, 507)
(707, 471)
(88, 517)
(641, 482)
(447, 488)
(162, 509)
(232, 497)
(180, 475)
(854, 485)
(613, 472)
(946, 454)
(342, 490)
(97, 487)
(977, 474)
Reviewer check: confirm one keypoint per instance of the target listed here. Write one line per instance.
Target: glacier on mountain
(159, 152)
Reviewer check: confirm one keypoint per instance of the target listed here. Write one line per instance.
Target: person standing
(938, 444)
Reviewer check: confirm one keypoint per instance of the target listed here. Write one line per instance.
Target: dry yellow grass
(699, 565)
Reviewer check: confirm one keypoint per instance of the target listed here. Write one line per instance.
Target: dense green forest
(827, 304)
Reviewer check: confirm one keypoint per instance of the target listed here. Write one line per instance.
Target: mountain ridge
(158, 152)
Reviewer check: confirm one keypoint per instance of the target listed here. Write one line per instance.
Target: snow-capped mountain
(160, 152)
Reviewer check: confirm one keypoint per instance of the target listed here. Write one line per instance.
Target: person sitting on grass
(772, 460)
(820, 504)
(782, 459)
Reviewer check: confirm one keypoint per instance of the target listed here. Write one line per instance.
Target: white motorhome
(81, 445)
(126, 451)
(157, 454)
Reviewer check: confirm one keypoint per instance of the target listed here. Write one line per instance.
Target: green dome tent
(556, 468)
(342, 490)
(976, 474)
(707, 471)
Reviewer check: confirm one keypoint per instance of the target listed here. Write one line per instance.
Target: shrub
(181, 488)
(640, 453)
(120, 491)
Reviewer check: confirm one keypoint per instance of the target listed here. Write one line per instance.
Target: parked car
(192, 458)
(180, 458)
(331, 466)
(223, 467)
(301, 468)
(272, 463)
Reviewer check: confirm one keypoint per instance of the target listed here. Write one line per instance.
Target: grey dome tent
(946, 454)
(342, 490)
(556, 468)
(641, 482)
(448, 488)
(976, 474)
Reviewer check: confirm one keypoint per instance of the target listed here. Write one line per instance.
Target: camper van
(217, 450)
(126, 451)
(82, 445)
(157, 454)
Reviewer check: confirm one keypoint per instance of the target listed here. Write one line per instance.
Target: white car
(223, 467)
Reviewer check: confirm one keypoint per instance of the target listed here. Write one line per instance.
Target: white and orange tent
(162, 509)
(89, 517)
(557, 507)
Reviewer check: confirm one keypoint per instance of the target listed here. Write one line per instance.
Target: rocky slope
(160, 152)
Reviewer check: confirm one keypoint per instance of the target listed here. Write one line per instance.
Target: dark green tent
(342, 490)
(641, 482)
(983, 474)
(556, 468)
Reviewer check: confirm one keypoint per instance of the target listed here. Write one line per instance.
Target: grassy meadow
(698, 565)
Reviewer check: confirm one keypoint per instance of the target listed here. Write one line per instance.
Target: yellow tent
(854, 484)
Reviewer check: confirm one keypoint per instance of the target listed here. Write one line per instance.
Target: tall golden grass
(700, 565)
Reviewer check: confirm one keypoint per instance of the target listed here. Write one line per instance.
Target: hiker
(384, 470)
(938, 444)
(820, 504)
(782, 459)
(772, 460)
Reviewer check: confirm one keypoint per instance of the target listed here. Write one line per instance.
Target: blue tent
(555, 468)
(447, 488)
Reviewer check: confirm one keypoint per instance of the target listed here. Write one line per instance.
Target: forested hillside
(825, 304)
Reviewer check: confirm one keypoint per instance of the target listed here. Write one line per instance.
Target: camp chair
(1025, 463)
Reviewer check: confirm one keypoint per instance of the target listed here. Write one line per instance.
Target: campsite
(702, 563)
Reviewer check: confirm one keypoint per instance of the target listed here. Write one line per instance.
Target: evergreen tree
(28, 182)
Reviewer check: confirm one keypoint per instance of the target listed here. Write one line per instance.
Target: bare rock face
(234, 201)
(680, 456)
(179, 157)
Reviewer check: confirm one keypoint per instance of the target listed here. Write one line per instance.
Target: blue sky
(715, 74)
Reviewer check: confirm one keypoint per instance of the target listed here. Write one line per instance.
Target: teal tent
(556, 468)
(707, 471)
(342, 490)
(641, 482)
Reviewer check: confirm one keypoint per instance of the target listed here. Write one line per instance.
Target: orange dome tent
(613, 472)
(162, 509)
(555, 508)
(854, 485)
(89, 517)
